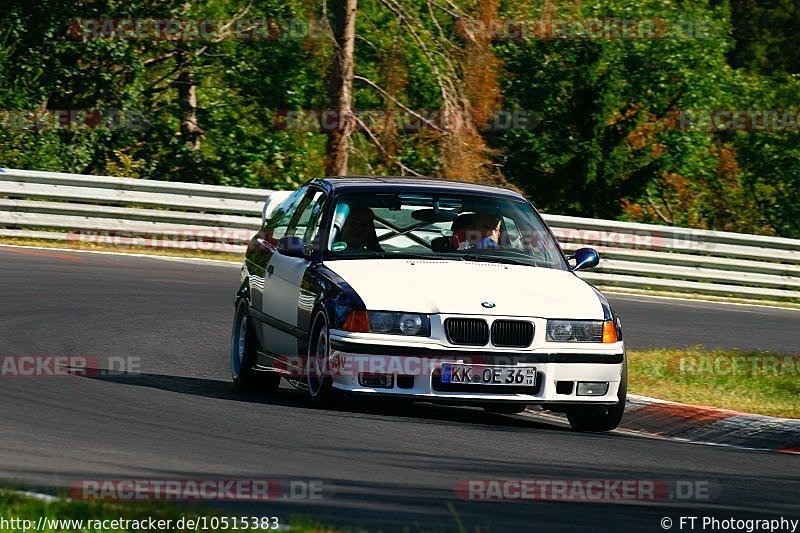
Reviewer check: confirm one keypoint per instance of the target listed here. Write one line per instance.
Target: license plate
(488, 375)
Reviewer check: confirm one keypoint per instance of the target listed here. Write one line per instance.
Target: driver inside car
(490, 229)
(358, 231)
(474, 232)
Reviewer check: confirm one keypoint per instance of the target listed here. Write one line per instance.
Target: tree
(415, 85)
(767, 36)
(417, 45)
(341, 86)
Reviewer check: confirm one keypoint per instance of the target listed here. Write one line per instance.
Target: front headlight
(575, 330)
(394, 323)
(582, 331)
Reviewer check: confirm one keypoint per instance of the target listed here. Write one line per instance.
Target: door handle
(270, 269)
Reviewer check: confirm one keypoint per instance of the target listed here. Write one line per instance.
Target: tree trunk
(340, 87)
(191, 132)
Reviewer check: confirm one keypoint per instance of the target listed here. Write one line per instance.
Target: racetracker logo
(641, 240)
(108, 119)
(736, 365)
(588, 29)
(594, 490)
(198, 489)
(402, 120)
(735, 120)
(30, 366)
(178, 29)
(47, 366)
(225, 240)
(349, 365)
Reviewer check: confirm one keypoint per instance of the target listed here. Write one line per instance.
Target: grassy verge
(21, 507)
(754, 382)
(45, 243)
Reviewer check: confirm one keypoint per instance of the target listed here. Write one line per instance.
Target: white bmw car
(430, 290)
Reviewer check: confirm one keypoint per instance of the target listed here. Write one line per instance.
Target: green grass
(22, 507)
(754, 382)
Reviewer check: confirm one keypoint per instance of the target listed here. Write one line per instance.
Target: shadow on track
(350, 405)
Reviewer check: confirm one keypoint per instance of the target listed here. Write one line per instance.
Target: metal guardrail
(666, 258)
(123, 212)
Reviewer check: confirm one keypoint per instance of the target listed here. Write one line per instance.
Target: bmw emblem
(487, 304)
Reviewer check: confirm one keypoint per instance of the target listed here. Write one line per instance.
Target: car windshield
(449, 225)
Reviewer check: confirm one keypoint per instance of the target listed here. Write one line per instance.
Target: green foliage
(594, 97)
(767, 36)
(609, 142)
(606, 143)
(241, 84)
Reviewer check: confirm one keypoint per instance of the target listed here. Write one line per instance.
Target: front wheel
(318, 375)
(600, 417)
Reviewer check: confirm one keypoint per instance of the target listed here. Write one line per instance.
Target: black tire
(244, 344)
(601, 417)
(318, 375)
(504, 408)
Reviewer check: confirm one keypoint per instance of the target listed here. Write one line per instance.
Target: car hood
(460, 287)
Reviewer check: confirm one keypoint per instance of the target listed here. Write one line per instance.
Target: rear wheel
(600, 417)
(243, 354)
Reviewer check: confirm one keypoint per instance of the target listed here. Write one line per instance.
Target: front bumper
(416, 371)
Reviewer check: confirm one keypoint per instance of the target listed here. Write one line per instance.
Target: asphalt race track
(390, 467)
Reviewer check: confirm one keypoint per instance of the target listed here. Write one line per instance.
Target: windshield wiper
(409, 255)
(391, 255)
(496, 259)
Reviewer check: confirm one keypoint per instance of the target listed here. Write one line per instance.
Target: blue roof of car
(366, 183)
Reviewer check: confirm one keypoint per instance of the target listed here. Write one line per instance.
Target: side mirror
(294, 247)
(585, 258)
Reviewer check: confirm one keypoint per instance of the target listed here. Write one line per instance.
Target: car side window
(513, 239)
(312, 230)
(307, 215)
(278, 224)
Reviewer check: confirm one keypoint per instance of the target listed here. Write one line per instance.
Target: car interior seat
(464, 229)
